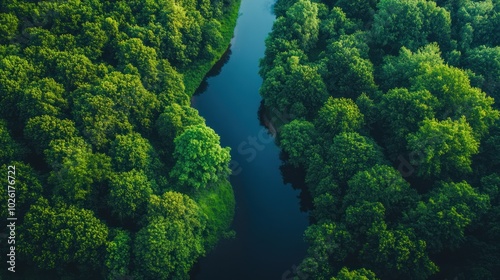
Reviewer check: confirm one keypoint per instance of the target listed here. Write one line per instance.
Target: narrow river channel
(268, 222)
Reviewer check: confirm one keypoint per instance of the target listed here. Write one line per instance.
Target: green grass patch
(194, 74)
(218, 204)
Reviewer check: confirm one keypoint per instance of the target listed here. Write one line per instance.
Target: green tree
(211, 39)
(8, 27)
(383, 184)
(410, 23)
(118, 253)
(442, 219)
(10, 149)
(398, 70)
(200, 160)
(129, 194)
(75, 169)
(134, 52)
(73, 70)
(43, 97)
(61, 235)
(352, 152)
(170, 243)
(485, 61)
(170, 87)
(477, 23)
(98, 119)
(444, 147)
(41, 130)
(294, 88)
(397, 254)
(401, 111)
(297, 139)
(360, 9)
(358, 274)
(303, 24)
(94, 38)
(128, 98)
(175, 119)
(132, 151)
(348, 71)
(328, 241)
(338, 115)
(15, 74)
(456, 97)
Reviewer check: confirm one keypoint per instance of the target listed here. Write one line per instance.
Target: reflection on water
(296, 176)
(214, 71)
(268, 222)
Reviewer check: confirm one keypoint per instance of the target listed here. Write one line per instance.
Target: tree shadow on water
(214, 71)
(295, 176)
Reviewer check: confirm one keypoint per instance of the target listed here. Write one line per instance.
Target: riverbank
(194, 75)
(268, 221)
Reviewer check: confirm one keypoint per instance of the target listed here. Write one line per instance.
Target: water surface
(268, 222)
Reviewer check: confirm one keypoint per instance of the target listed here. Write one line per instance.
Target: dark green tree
(348, 71)
(442, 219)
(338, 115)
(118, 252)
(61, 235)
(297, 139)
(352, 152)
(129, 194)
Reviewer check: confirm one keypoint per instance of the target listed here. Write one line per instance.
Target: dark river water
(268, 221)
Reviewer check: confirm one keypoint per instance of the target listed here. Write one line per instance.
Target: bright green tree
(200, 160)
(358, 274)
(295, 88)
(383, 184)
(41, 130)
(401, 111)
(443, 147)
(410, 23)
(170, 243)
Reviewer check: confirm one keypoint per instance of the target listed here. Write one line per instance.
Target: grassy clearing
(218, 204)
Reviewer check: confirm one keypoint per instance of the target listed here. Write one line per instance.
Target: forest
(116, 175)
(394, 121)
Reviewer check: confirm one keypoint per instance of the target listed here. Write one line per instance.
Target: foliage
(401, 157)
(200, 160)
(172, 240)
(338, 115)
(296, 138)
(92, 96)
(444, 147)
(61, 235)
(118, 255)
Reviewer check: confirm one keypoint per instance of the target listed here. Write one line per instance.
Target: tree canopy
(401, 154)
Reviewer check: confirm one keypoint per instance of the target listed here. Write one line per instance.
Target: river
(268, 221)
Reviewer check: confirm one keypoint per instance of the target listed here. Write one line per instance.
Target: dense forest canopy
(396, 123)
(116, 175)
